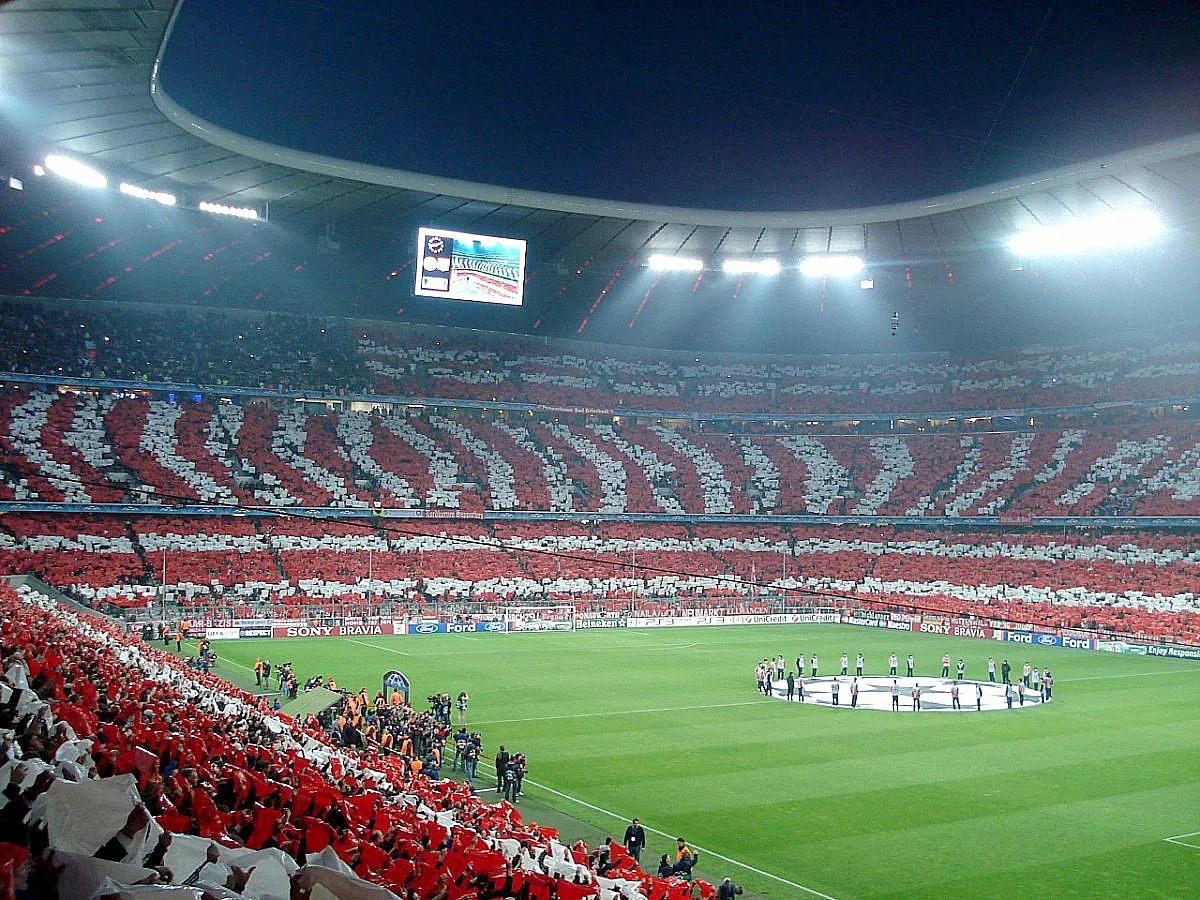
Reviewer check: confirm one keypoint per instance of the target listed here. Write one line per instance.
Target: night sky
(736, 106)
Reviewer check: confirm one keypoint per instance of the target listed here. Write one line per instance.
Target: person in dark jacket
(727, 890)
(502, 759)
(635, 840)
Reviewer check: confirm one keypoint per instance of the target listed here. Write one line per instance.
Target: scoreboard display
(475, 267)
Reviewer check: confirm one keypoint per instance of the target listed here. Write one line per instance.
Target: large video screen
(473, 267)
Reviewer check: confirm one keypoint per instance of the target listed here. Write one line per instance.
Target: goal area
(540, 618)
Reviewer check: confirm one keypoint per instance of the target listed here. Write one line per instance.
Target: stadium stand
(91, 448)
(229, 567)
(297, 353)
(135, 770)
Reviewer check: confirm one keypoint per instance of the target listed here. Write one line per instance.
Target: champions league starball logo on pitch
(936, 694)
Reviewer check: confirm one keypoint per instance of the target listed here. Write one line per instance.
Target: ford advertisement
(431, 627)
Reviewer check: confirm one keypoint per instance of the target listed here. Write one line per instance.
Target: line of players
(773, 669)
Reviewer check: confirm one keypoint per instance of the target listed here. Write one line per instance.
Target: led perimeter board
(475, 267)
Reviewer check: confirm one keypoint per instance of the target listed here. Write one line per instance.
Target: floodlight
(221, 209)
(867, 284)
(38, 170)
(73, 170)
(1103, 232)
(831, 266)
(142, 193)
(751, 266)
(675, 263)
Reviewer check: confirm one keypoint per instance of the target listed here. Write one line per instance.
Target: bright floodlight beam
(1108, 231)
(132, 190)
(831, 266)
(74, 170)
(663, 262)
(220, 209)
(751, 267)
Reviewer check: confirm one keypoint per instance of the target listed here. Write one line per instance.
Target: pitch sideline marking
(600, 809)
(377, 647)
(621, 712)
(1134, 675)
(471, 637)
(1178, 839)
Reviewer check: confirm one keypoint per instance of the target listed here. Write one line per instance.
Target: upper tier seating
(505, 368)
(64, 448)
(296, 353)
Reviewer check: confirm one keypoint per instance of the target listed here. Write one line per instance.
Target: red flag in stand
(569, 890)
(317, 835)
(176, 823)
(264, 826)
(397, 873)
(373, 860)
(209, 821)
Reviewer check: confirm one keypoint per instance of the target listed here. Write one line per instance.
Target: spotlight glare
(1103, 232)
(831, 266)
(751, 267)
(663, 262)
(73, 170)
(221, 209)
(142, 193)
(39, 170)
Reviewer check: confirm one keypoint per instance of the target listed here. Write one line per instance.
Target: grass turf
(1073, 799)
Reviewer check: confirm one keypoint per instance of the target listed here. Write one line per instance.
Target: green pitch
(1074, 799)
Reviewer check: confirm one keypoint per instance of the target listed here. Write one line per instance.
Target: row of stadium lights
(1108, 231)
(74, 170)
(810, 266)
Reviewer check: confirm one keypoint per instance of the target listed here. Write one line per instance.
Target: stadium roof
(80, 77)
(83, 75)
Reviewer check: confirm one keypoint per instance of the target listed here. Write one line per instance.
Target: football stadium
(458, 453)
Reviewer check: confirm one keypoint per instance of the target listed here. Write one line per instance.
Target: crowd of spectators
(122, 770)
(97, 448)
(1121, 581)
(273, 352)
(180, 345)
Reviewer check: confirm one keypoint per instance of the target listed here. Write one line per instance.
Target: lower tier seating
(1127, 582)
(124, 771)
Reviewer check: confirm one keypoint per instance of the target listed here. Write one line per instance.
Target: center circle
(936, 694)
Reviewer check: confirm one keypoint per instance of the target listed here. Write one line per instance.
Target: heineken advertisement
(1174, 652)
(1148, 649)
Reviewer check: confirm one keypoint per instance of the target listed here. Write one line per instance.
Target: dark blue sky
(741, 106)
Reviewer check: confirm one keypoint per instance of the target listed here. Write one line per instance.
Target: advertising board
(306, 631)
